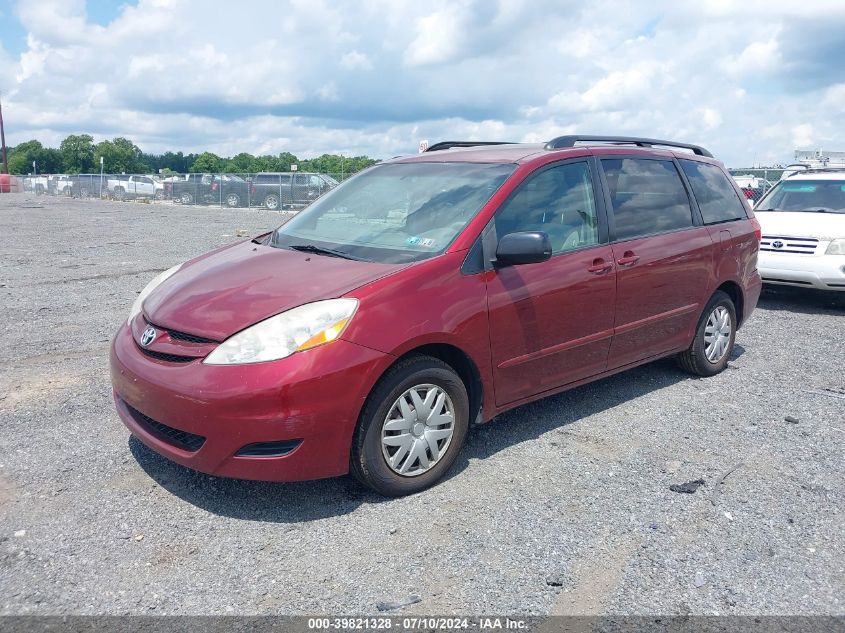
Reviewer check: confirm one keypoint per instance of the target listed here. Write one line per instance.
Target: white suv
(803, 221)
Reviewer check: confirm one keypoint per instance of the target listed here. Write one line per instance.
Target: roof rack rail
(562, 142)
(450, 144)
(816, 170)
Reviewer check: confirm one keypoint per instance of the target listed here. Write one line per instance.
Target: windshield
(805, 195)
(395, 213)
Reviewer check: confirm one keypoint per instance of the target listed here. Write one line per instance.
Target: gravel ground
(559, 507)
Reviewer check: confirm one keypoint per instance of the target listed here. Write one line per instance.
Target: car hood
(824, 226)
(225, 291)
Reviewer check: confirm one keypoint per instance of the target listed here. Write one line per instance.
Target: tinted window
(648, 196)
(558, 201)
(716, 197)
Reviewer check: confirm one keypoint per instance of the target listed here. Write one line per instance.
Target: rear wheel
(186, 198)
(412, 427)
(272, 202)
(159, 195)
(714, 338)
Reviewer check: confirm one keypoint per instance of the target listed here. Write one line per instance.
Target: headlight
(279, 336)
(157, 281)
(836, 247)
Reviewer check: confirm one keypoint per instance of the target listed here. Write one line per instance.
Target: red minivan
(431, 292)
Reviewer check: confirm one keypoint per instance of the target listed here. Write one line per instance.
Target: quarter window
(716, 197)
(558, 201)
(647, 197)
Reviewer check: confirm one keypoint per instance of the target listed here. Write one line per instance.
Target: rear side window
(647, 196)
(713, 191)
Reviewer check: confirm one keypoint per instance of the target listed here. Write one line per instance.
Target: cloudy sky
(751, 79)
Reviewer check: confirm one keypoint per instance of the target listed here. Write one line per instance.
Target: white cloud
(803, 135)
(438, 37)
(353, 60)
(312, 76)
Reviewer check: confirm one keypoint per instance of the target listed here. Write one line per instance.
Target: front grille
(180, 439)
(169, 358)
(190, 338)
(793, 245)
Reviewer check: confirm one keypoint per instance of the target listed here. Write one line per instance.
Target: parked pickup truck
(227, 189)
(123, 187)
(275, 189)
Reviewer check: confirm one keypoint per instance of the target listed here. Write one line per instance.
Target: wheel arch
(458, 360)
(734, 291)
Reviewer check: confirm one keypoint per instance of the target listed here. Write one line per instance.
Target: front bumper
(313, 396)
(824, 272)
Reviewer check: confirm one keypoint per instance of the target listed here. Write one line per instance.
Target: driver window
(558, 201)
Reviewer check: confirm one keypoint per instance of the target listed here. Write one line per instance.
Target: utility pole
(3, 141)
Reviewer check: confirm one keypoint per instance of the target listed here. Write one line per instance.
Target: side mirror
(523, 247)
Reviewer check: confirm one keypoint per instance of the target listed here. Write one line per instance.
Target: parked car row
(273, 191)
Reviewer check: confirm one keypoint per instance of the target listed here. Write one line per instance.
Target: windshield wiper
(319, 250)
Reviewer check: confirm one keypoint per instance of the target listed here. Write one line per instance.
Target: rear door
(551, 323)
(663, 257)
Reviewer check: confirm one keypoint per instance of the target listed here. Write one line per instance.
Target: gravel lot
(558, 507)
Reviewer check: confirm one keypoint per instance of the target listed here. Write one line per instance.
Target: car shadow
(530, 421)
(802, 300)
(312, 500)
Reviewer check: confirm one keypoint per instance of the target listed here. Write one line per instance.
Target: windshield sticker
(420, 241)
(800, 188)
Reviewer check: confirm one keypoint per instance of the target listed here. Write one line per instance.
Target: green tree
(119, 155)
(242, 163)
(207, 162)
(77, 152)
(21, 157)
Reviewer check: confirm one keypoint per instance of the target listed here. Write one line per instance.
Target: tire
(695, 360)
(159, 194)
(233, 200)
(119, 193)
(431, 379)
(271, 202)
(186, 198)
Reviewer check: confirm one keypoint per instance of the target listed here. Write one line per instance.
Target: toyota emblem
(777, 244)
(148, 336)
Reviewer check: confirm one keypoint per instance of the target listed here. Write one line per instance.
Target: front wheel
(186, 198)
(233, 200)
(714, 338)
(412, 427)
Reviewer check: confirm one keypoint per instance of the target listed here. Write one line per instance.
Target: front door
(551, 323)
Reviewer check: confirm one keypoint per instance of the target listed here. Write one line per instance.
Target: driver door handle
(600, 266)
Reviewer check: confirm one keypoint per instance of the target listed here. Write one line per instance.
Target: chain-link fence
(755, 182)
(274, 191)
